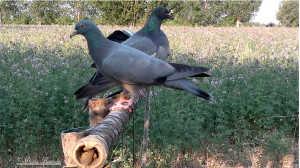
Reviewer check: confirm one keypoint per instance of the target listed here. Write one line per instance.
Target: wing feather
(131, 66)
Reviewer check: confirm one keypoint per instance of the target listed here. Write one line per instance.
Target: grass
(252, 121)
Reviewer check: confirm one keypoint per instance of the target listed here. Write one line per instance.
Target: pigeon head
(162, 13)
(83, 27)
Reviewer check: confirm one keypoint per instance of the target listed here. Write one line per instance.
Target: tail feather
(201, 75)
(114, 94)
(92, 90)
(183, 71)
(118, 36)
(93, 65)
(184, 84)
(98, 84)
(86, 103)
(99, 79)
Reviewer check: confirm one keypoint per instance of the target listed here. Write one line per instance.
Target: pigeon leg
(124, 102)
(142, 92)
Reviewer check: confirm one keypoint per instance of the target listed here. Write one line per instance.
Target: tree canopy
(288, 13)
(203, 12)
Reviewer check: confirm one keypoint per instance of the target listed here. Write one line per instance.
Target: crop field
(252, 121)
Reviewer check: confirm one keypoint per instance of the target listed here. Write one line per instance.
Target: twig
(146, 129)
(279, 117)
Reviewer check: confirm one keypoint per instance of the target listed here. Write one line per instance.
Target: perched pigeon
(150, 40)
(98, 83)
(133, 69)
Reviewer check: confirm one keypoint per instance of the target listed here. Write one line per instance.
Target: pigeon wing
(131, 66)
(163, 49)
(142, 43)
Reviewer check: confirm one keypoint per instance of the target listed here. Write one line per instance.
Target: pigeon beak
(169, 16)
(73, 34)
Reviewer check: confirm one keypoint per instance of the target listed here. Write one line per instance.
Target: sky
(267, 12)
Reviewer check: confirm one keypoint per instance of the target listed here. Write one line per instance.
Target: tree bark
(238, 21)
(1, 17)
(39, 21)
(93, 143)
(78, 16)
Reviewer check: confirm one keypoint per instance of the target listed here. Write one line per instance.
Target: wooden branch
(98, 109)
(69, 138)
(93, 143)
(146, 129)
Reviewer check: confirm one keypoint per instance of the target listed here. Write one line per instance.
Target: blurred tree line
(288, 13)
(202, 12)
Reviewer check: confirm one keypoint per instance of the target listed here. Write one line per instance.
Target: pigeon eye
(162, 11)
(81, 25)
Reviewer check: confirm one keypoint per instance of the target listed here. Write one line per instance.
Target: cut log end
(90, 152)
(91, 146)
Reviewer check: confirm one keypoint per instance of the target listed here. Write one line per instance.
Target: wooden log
(92, 150)
(69, 138)
(98, 110)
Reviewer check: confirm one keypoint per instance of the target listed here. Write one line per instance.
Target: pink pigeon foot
(124, 103)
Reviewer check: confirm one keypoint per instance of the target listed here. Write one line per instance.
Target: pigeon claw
(123, 102)
(122, 105)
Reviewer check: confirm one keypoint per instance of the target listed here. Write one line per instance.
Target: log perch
(93, 143)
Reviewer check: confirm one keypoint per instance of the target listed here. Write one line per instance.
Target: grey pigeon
(98, 83)
(150, 39)
(133, 69)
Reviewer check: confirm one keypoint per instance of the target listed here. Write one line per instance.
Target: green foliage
(120, 12)
(32, 98)
(44, 12)
(254, 83)
(288, 14)
(207, 14)
(8, 11)
(240, 10)
(196, 13)
(217, 12)
(81, 10)
(202, 13)
(64, 20)
(277, 146)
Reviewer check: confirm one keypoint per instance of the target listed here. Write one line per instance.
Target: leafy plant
(254, 83)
